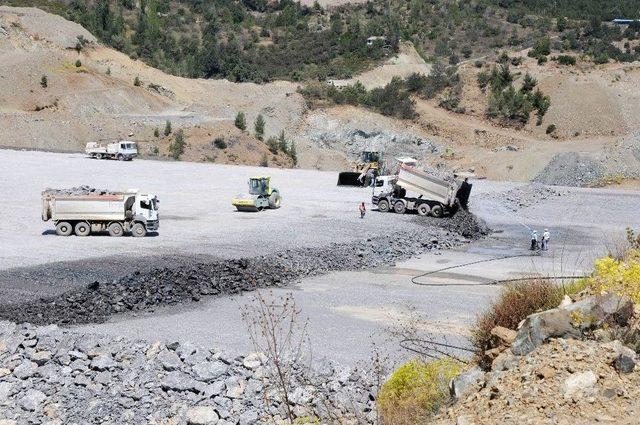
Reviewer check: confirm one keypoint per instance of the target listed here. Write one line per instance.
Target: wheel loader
(369, 161)
(261, 196)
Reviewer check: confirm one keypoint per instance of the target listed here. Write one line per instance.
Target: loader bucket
(247, 208)
(349, 178)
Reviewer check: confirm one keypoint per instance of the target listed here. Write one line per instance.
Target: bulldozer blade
(349, 178)
(247, 208)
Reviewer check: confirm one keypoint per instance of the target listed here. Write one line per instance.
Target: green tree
(176, 148)
(528, 83)
(156, 132)
(241, 121)
(44, 82)
(272, 145)
(136, 81)
(283, 145)
(167, 128)
(78, 63)
(293, 153)
(259, 127)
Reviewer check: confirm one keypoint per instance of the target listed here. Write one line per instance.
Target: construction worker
(362, 209)
(545, 239)
(534, 240)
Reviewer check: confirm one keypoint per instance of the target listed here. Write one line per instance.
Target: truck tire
(64, 228)
(82, 228)
(275, 201)
(99, 156)
(399, 207)
(383, 205)
(120, 157)
(115, 229)
(437, 211)
(138, 230)
(424, 210)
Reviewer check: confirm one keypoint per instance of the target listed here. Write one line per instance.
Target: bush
(156, 132)
(551, 128)
(136, 81)
(241, 121)
(515, 303)
(167, 128)
(219, 143)
(416, 390)
(264, 162)
(44, 82)
(542, 60)
(619, 276)
(259, 127)
(272, 145)
(78, 63)
(528, 83)
(566, 60)
(541, 47)
(176, 148)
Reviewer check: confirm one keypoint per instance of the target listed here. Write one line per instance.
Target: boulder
(624, 364)
(579, 382)
(32, 400)
(169, 360)
(502, 336)
(539, 327)
(209, 371)
(466, 381)
(25, 370)
(103, 362)
(179, 381)
(202, 415)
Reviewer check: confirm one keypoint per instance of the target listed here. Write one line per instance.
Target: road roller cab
(261, 196)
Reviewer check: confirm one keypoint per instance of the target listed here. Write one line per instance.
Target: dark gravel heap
(463, 223)
(571, 169)
(188, 280)
(79, 191)
(49, 375)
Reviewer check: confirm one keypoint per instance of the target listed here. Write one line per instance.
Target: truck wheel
(399, 207)
(115, 229)
(423, 210)
(120, 157)
(437, 211)
(64, 228)
(82, 229)
(138, 230)
(99, 156)
(383, 205)
(275, 201)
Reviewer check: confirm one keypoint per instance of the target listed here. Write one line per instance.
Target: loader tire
(275, 201)
(399, 207)
(383, 205)
(138, 230)
(437, 211)
(115, 229)
(82, 228)
(64, 228)
(424, 210)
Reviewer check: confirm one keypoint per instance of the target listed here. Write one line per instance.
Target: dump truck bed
(84, 207)
(428, 186)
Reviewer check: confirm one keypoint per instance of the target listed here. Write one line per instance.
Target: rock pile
(463, 223)
(562, 366)
(526, 196)
(53, 376)
(79, 191)
(571, 169)
(189, 279)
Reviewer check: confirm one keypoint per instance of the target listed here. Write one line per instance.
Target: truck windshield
(149, 204)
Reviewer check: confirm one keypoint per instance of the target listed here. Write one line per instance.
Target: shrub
(109, 71)
(415, 390)
(259, 127)
(44, 82)
(515, 303)
(156, 132)
(542, 60)
(293, 153)
(541, 47)
(483, 79)
(551, 128)
(272, 145)
(416, 82)
(219, 143)
(167, 128)
(264, 162)
(78, 63)
(528, 83)
(241, 121)
(136, 81)
(620, 276)
(176, 148)
(566, 60)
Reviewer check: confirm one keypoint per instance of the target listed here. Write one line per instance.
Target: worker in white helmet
(534, 240)
(545, 239)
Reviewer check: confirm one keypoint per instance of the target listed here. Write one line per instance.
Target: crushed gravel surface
(526, 196)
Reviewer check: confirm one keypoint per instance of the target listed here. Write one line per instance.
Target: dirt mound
(525, 196)
(463, 223)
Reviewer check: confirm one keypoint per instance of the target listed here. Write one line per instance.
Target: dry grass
(515, 303)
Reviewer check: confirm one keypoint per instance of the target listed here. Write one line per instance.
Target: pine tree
(176, 148)
(241, 121)
(156, 132)
(259, 127)
(44, 82)
(167, 128)
(293, 153)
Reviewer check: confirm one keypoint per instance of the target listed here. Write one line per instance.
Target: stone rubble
(96, 379)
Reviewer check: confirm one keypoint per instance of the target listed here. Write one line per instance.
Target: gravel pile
(571, 169)
(48, 375)
(462, 223)
(79, 191)
(189, 280)
(525, 196)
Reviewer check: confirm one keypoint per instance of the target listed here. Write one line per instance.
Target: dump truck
(116, 212)
(434, 196)
(261, 196)
(366, 168)
(123, 150)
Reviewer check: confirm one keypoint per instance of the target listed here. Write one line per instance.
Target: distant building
(625, 21)
(376, 39)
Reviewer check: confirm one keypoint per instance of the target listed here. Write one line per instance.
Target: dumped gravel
(190, 279)
(462, 223)
(69, 377)
(79, 191)
(525, 196)
(571, 169)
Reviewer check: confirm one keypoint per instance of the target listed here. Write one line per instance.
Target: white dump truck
(123, 150)
(433, 196)
(115, 212)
